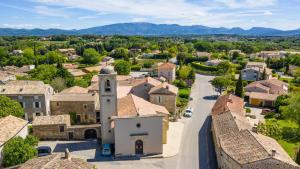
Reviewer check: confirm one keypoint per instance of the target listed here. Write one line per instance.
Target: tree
(298, 156)
(184, 72)
(264, 75)
(281, 101)
(90, 56)
(221, 83)
(18, 150)
(45, 73)
(120, 53)
(239, 88)
(58, 84)
(292, 111)
(10, 107)
(123, 67)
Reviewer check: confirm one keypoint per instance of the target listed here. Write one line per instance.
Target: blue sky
(77, 14)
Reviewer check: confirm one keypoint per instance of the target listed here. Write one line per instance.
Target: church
(131, 124)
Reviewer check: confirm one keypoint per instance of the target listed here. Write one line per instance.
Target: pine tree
(264, 75)
(239, 87)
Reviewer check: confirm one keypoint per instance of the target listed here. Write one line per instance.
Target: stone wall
(168, 101)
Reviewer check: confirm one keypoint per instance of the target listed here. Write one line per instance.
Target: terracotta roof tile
(75, 89)
(51, 120)
(167, 65)
(228, 102)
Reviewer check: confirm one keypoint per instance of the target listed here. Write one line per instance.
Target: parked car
(106, 149)
(44, 151)
(188, 112)
(265, 111)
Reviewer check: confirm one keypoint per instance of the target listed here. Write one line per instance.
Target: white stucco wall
(125, 142)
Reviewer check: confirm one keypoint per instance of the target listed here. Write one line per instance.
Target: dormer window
(107, 86)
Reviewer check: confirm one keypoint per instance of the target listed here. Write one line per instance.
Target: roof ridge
(51, 161)
(252, 133)
(131, 95)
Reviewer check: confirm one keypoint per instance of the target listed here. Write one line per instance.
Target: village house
(83, 106)
(203, 54)
(58, 127)
(77, 72)
(265, 92)
(18, 71)
(11, 127)
(237, 145)
(70, 53)
(5, 77)
(254, 71)
(57, 161)
(34, 96)
(214, 62)
(108, 60)
(271, 54)
(167, 70)
(17, 53)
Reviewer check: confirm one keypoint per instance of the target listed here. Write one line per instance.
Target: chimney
(273, 153)
(167, 87)
(67, 154)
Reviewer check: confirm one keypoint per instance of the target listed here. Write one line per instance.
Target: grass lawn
(288, 146)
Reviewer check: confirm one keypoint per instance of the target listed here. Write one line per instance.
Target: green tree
(292, 111)
(58, 84)
(221, 83)
(90, 56)
(10, 107)
(3, 56)
(184, 72)
(264, 75)
(17, 151)
(281, 101)
(120, 53)
(239, 88)
(45, 73)
(123, 67)
(31, 140)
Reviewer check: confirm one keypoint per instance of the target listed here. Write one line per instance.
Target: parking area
(88, 149)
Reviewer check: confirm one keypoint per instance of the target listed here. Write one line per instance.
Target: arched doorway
(90, 134)
(139, 149)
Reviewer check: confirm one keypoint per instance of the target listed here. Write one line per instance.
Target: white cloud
(25, 25)
(139, 19)
(246, 4)
(268, 13)
(47, 11)
(87, 17)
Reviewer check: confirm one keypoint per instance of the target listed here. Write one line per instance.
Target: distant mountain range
(149, 29)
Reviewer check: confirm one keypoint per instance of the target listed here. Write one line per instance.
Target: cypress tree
(239, 87)
(298, 156)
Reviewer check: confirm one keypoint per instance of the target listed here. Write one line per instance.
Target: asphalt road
(197, 151)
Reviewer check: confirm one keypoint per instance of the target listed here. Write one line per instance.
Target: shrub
(203, 67)
(180, 83)
(148, 64)
(248, 110)
(136, 68)
(269, 115)
(184, 93)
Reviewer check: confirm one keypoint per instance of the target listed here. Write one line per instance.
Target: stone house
(164, 95)
(5, 77)
(70, 53)
(237, 146)
(34, 96)
(58, 127)
(254, 71)
(85, 106)
(55, 161)
(168, 71)
(11, 127)
(265, 92)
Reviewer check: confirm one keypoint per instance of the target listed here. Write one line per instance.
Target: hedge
(136, 68)
(203, 67)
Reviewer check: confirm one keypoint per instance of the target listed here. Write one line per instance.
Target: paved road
(196, 150)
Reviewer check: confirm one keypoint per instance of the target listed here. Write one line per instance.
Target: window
(138, 125)
(57, 103)
(38, 114)
(159, 99)
(37, 105)
(61, 129)
(22, 104)
(86, 117)
(78, 118)
(98, 120)
(108, 100)
(97, 114)
(107, 86)
(85, 106)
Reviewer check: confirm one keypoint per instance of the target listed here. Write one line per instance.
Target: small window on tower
(107, 86)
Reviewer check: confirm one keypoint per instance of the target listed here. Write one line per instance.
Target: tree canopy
(90, 56)
(123, 67)
(18, 150)
(10, 107)
(221, 83)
